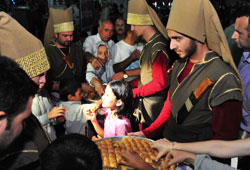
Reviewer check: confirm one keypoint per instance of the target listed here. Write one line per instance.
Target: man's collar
(246, 55)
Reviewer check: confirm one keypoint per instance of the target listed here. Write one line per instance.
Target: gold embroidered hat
(140, 13)
(59, 21)
(20, 45)
(199, 20)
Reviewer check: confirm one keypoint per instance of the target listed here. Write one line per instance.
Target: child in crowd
(71, 96)
(101, 76)
(43, 108)
(116, 103)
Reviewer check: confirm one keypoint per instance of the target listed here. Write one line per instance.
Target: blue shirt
(244, 69)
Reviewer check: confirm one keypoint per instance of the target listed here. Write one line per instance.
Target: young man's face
(137, 29)
(183, 46)
(64, 39)
(120, 26)
(40, 80)
(102, 53)
(241, 35)
(8, 135)
(106, 31)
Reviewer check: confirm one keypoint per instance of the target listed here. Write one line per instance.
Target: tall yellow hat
(20, 45)
(59, 21)
(199, 20)
(140, 13)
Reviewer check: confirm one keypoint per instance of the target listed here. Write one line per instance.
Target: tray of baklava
(112, 147)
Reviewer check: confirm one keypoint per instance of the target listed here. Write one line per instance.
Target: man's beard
(191, 49)
(64, 44)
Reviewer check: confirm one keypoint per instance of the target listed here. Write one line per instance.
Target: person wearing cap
(154, 61)
(29, 53)
(90, 45)
(197, 37)
(67, 60)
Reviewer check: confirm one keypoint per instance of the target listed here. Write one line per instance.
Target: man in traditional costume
(210, 112)
(67, 60)
(29, 53)
(154, 61)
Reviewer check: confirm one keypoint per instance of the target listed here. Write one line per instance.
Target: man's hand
(177, 156)
(139, 133)
(99, 88)
(117, 76)
(56, 112)
(135, 55)
(163, 146)
(132, 159)
(96, 63)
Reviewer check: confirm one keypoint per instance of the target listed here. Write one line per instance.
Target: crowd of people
(178, 82)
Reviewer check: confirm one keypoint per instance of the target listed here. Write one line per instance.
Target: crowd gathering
(184, 85)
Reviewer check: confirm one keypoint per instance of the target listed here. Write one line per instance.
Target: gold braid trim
(21, 151)
(34, 64)
(139, 19)
(63, 27)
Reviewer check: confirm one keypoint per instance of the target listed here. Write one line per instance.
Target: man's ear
(56, 35)
(99, 29)
(2, 115)
(119, 103)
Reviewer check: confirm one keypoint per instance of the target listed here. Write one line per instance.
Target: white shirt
(92, 42)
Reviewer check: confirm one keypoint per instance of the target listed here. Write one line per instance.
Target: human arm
(94, 61)
(159, 77)
(177, 156)
(130, 73)
(226, 120)
(99, 130)
(157, 127)
(99, 88)
(200, 162)
(119, 67)
(56, 112)
(89, 48)
(132, 159)
(92, 79)
(215, 148)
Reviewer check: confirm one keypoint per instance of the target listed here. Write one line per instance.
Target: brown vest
(153, 104)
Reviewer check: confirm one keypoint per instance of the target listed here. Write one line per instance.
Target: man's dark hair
(73, 151)
(15, 89)
(68, 86)
(244, 11)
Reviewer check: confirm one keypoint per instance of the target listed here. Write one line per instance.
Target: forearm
(89, 57)
(99, 130)
(159, 78)
(216, 148)
(133, 72)
(157, 127)
(226, 120)
(118, 67)
(95, 82)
